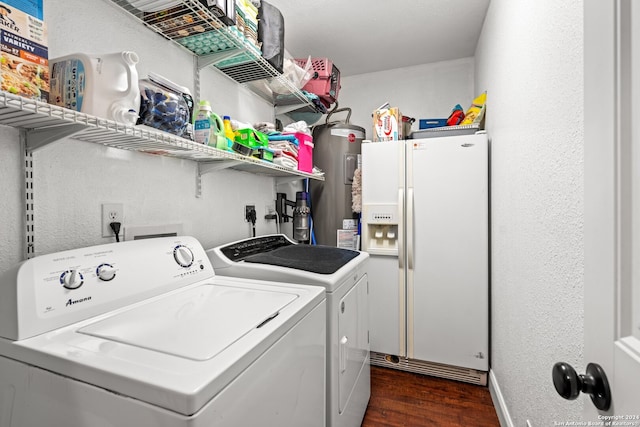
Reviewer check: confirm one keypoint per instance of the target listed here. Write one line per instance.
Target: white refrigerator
(425, 224)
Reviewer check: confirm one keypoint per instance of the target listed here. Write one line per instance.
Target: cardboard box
(349, 224)
(387, 125)
(24, 60)
(347, 239)
(32, 7)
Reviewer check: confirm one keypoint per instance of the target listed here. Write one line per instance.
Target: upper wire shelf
(193, 27)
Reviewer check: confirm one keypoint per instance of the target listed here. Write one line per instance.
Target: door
(447, 250)
(612, 200)
(382, 232)
(353, 330)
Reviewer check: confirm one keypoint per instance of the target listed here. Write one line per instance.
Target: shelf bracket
(208, 167)
(213, 58)
(286, 109)
(38, 138)
(288, 179)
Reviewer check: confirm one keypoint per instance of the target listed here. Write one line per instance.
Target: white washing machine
(143, 333)
(343, 274)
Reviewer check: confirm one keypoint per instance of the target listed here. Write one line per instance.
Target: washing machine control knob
(106, 272)
(71, 279)
(183, 256)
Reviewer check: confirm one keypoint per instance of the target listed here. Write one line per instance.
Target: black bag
(271, 34)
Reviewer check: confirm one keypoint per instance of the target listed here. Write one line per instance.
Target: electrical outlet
(111, 212)
(247, 209)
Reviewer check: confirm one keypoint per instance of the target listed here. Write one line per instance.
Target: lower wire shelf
(45, 123)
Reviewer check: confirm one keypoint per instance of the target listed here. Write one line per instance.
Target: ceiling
(364, 36)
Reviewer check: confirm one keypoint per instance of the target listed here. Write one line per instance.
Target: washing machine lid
(314, 259)
(197, 324)
(177, 350)
(276, 258)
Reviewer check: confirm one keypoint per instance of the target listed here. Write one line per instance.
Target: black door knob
(594, 382)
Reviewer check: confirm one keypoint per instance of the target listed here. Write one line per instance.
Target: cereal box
(32, 7)
(24, 60)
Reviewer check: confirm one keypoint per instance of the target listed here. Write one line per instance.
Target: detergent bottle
(228, 130)
(101, 85)
(208, 128)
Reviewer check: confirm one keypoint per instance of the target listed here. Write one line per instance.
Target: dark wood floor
(406, 399)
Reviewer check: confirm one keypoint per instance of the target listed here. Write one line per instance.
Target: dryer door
(353, 327)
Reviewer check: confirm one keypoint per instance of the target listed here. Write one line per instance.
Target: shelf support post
(27, 198)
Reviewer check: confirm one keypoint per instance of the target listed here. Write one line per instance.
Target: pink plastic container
(325, 81)
(305, 152)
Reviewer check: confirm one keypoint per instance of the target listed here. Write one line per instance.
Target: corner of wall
(498, 401)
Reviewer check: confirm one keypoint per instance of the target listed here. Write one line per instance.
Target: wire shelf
(193, 27)
(46, 123)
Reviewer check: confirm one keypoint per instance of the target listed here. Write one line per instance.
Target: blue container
(432, 123)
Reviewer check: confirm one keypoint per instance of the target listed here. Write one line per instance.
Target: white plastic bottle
(101, 85)
(207, 126)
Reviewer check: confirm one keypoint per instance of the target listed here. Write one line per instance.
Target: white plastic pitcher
(101, 85)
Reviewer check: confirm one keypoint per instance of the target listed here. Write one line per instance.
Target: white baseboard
(498, 402)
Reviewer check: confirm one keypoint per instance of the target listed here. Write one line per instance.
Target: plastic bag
(456, 116)
(297, 75)
(474, 111)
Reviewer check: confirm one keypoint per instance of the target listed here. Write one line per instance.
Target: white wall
(72, 179)
(422, 91)
(529, 58)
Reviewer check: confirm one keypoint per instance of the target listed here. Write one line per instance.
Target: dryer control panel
(54, 290)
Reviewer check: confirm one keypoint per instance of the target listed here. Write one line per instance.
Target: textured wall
(72, 179)
(11, 188)
(529, 59)
(421, 91)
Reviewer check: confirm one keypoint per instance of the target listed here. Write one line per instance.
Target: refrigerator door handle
(410, 228)
(400, 229)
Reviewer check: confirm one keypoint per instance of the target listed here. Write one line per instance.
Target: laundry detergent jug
(101, 85)
(207, 127)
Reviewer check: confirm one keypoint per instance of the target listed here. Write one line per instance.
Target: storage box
(165, 106)
(305, 152)
(387, 125)
(181, 21)
(24, 64)
(251, 138)
(431, 123)
(263, 153)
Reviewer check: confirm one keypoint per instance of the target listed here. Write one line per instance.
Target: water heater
(336, 150)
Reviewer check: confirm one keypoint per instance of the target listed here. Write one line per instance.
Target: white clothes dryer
(343, 274)
(142, 333)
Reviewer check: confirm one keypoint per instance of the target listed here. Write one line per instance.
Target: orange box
(387, 125)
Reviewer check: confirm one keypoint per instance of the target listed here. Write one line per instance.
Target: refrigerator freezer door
(447, 289)
(383, 178)
(386, 305)
(382, 198)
